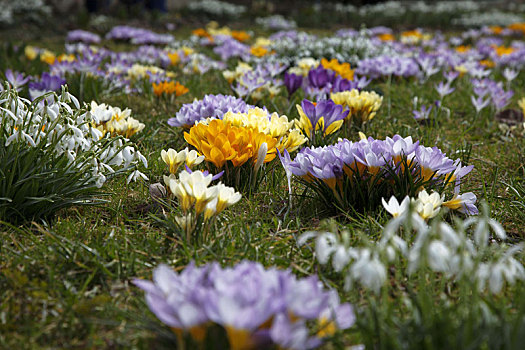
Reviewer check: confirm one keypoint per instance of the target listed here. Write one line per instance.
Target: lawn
(360, 239)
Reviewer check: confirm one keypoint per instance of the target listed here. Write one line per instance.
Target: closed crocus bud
(292, 82)
(261, 155)
(157, 191)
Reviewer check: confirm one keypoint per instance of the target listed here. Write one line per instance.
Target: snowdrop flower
(438, 255)
(135, 175)
(369, 271)
(439, 248)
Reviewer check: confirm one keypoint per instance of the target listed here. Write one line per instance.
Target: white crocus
(226, 196)
(173, 159)
(394, 207)
(193, 158)
(428, 205)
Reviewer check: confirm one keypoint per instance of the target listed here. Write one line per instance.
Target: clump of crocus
(169, 88)
(358, 174)
(320, 120)
(241, 69)
(240, 35)
(239, 151)
(152, 73)
(257, 307)
(198, 201)
(363, 105)
(115, 121)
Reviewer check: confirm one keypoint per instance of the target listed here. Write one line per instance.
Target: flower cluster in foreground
(256, 306)
(463, 253)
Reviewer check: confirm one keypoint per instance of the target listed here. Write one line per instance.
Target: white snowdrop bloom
(438, 255)
(135, 175)
(325, 246)
(340, 258)
(40, 125)
(369, 271)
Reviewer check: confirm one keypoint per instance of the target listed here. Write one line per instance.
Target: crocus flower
(292, 82)
(174, 159)
(209, 106)
(16, 79)
(464, 203)
(362, 104)
(255, 305)
(444, 89)
(47, 83)
(510, 74)
(394, 207)
(220, 142)
(320, 77)
(83, 36)
(325, 116)
(428, 205)
(423, 113)
(479, 103)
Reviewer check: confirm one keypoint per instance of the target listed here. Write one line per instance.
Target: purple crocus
(423, 113)
(328, 110)
(83, 36)
(47, 83)
(320, 77)
(479, 103)
(138, 35)
(340, 84)
(444, 89)
(16, 79)
(292, 82)
(246, 299)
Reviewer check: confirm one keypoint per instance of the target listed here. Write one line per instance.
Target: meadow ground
(65, 281)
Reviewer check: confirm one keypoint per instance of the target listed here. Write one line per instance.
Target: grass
(65, 283)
